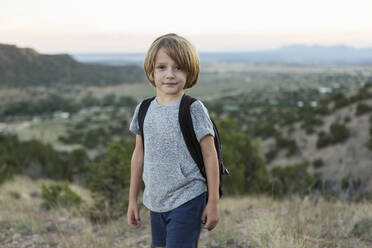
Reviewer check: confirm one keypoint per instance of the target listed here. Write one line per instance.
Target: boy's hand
(133, 217)
(210, 215)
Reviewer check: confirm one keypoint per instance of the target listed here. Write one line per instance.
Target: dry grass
(245, 222)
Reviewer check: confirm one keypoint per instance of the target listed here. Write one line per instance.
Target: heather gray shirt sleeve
(200, 119)
(134, 128)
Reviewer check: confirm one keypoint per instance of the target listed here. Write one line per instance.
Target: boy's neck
(167, 99)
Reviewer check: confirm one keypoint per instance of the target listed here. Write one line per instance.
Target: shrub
(290, 144)
(59, 195)
(362, 108)
(318, 163)
(44, 106)
(323, 140)
(339, 132)
(290, 180)
(289, 118)
(348, 182)
(76, 164)
(271, 154)
(91, 139)
(347, 119)
(126, 101)
(309, 130)
(42, 161)
(15, 194)
(362, 230)
(108, 100)
(369, 144)
(340, 101)
(5, 172)
(109, 181)
(322, 109)
(81, 125)
(35, 159)
(89, 100)
(264, 131)
(74, 137)
(364, 92)
(310, 119)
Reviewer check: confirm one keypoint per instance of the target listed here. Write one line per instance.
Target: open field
(245, 222)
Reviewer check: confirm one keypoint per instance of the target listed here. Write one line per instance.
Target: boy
(175, 190)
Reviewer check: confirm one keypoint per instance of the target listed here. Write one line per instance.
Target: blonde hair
(178, 49)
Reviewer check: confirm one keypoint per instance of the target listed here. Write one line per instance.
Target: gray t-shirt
(170, 174)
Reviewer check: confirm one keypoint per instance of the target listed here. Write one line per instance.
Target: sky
(111, 26)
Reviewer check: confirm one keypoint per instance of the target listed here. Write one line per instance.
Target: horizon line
(244, 50)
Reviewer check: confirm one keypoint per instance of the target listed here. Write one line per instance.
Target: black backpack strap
(217, 142)
(188, 132)
(191, 141)
(141, 116)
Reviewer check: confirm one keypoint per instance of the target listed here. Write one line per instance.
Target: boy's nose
(170, 73)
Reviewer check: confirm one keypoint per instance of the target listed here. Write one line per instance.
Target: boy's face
(169, 78)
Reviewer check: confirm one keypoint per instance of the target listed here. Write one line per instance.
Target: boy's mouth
(170, 84)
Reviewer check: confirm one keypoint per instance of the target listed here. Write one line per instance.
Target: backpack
(187, 129)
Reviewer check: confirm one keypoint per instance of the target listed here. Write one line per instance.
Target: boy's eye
(178, 68)
(161, 66)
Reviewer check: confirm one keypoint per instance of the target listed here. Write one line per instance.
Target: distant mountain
(292, 54)
(25, 66)
(111, 58)
(298, 54)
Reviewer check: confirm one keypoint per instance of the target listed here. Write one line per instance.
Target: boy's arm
(211, 212)
(135, 183)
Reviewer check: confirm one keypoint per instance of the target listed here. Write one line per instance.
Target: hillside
(248, 221)
(26, 67)
(348, 159)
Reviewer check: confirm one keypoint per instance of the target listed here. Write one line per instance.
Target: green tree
(290, 179)
(340, 101)
(318, 163)
(339, 132)
(41, 160)
(109, 180)
(9, 159)
(77, 162)
(362, 108)
(35, 159)
(324, 140)
(247, 168)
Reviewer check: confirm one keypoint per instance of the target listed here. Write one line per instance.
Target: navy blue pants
(180, 227)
